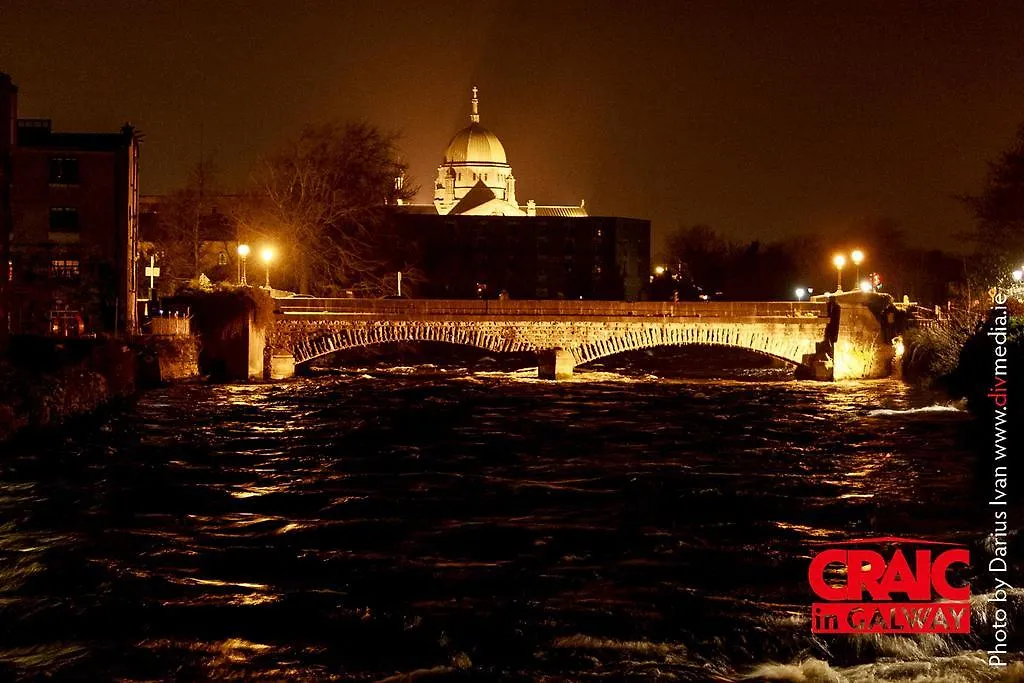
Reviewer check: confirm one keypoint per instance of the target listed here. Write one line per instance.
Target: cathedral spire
(475, 116)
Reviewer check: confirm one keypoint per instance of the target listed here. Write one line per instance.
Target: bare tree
(177, 235)
(321, 196)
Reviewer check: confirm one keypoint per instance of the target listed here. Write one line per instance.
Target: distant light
(865, 286)
(243, 250)
(1018, 275)
(267, 254)
(800, 291)
(810, 290)
(839, 261)
(660, 270)
(857, 256)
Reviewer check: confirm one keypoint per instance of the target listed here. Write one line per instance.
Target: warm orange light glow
(839, 261)
(243, 250)
(857, 256)
(267, 254)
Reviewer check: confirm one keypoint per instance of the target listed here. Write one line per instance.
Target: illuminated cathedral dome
(475, 144)
(475, 176)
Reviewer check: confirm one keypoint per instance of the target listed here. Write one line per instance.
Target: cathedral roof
(474, 144)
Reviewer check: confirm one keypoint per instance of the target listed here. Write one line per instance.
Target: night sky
(758, 118)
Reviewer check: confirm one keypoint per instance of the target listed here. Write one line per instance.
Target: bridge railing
(549, 308)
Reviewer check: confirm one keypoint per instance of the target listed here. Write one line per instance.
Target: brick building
(71, 205)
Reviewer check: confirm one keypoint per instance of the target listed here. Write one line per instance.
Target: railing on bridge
(411, 308)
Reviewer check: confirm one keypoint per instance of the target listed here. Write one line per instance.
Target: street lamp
(268, 256)
(660, 270)
(865, 286)
(243, 252)
(857, 256)
(800, 291)
(839, 261)
(1018, 275)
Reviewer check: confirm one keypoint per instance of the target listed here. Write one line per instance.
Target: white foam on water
(954, 407)
(966, 667)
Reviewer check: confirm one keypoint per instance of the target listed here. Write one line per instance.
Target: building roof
(560, 211)
(474, 144)
(38, 133)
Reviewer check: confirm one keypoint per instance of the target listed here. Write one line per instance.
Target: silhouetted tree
(998, 234)
(321, 196)
(176, 230)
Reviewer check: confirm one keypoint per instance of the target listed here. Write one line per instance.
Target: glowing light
(243, 251)
(800, 291)
(660, 270)
(268, 256)
(865, 286)
(857, 256)
(839, 261)
(1018, 275)
(898, 347)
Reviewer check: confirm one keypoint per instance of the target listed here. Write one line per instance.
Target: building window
(64, 269)
(63, 219)
(63, 171)
(222, 258)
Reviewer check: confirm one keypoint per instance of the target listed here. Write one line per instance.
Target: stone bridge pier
(848, 336)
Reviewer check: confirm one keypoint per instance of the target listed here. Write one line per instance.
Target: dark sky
(760, 119)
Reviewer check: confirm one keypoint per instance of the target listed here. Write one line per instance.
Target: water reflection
(399, 520)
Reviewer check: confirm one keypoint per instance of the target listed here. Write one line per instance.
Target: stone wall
(842, 337)
(586, 340)
(46, 381)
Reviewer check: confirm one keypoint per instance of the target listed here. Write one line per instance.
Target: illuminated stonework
(475, 160)
(475, 178)
(843, 338)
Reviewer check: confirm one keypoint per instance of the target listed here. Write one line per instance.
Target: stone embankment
(45, 382)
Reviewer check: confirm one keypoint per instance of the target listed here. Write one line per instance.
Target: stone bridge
(839, 337)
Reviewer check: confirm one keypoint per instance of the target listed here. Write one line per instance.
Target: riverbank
(45, 381)
(959, 357)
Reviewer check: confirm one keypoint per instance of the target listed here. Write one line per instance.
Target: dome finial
(475, 116)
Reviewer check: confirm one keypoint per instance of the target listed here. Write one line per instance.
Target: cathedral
(475, 240)
(475, 178)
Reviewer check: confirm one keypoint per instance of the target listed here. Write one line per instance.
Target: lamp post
(800, 291)
(839, 261)
(857, 256)
(268, 256)
(1018, 275)
(243, 252)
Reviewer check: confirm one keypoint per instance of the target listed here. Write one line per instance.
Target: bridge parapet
(414, 308)
(838, 338)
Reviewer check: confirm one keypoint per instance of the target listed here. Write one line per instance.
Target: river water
(648, 520)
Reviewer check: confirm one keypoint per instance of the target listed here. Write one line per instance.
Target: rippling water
(450, 524)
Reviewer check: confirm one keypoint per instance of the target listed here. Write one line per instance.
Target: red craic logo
(904, 589)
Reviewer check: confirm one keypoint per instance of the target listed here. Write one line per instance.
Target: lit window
(63, 219)
(64, 269)
(63, 171)
(222, 258)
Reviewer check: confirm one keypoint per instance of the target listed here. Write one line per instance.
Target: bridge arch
(792, 346)
(583, 341)
(744, 349)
